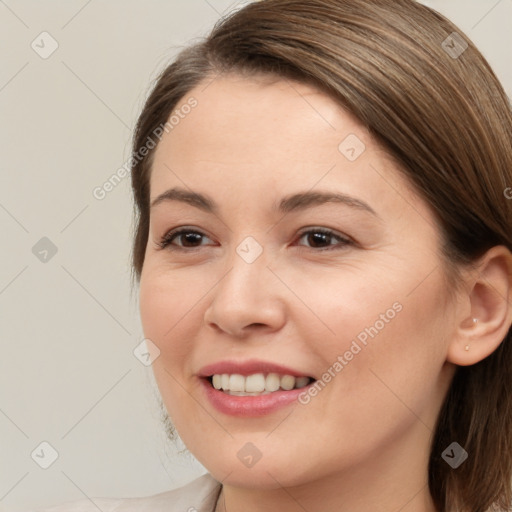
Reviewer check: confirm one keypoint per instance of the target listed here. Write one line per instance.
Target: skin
(363, 442)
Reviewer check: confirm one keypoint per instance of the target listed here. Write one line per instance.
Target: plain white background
(68, 324)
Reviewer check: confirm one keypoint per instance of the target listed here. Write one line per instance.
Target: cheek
(164, 299)
(344, 305)
(378, 309)
(156, 304)
(385, 341)
(169, 309)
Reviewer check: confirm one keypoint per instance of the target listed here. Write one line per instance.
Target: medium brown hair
(437, 108)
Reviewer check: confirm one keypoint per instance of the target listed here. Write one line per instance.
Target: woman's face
(350, 289)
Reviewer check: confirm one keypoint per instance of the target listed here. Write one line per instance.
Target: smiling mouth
(257, 384)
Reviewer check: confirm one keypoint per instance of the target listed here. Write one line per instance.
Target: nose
(247, 299)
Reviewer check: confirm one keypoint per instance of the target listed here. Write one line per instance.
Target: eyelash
(166, 240)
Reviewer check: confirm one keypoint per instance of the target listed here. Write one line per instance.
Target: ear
(489, 289)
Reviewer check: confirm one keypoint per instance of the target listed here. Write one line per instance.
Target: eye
(319, 238)
(189, 238)
(323, 237)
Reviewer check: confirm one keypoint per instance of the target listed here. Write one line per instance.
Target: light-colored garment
(199, 495)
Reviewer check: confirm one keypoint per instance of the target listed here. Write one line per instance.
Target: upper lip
(248, 367)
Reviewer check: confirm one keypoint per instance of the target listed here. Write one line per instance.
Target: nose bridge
(247, 280)
(248, 269)
(248, 292)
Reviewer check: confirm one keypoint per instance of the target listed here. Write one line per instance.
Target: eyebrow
(293, 202)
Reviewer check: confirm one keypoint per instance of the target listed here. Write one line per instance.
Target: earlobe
(475, 321)
(490, 286)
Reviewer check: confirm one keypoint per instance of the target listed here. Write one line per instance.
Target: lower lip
(250, 406)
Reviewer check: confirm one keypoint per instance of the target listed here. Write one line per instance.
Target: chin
(264, 475)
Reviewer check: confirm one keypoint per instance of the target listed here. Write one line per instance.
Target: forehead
(264, 138)
(251, 111)
(254, 123)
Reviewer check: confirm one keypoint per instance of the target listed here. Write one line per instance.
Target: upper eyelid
(180, 231)
(175, 233)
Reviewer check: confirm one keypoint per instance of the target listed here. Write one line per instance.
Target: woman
(322, 246)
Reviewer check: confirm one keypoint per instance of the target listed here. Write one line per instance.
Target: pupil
(318, 238)
(189, 237)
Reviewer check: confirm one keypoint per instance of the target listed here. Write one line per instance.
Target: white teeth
(244, 393)
(257, 383)
(254, 383)
(272, 382)
(288, 382)
(217, 381)
(236, 383)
